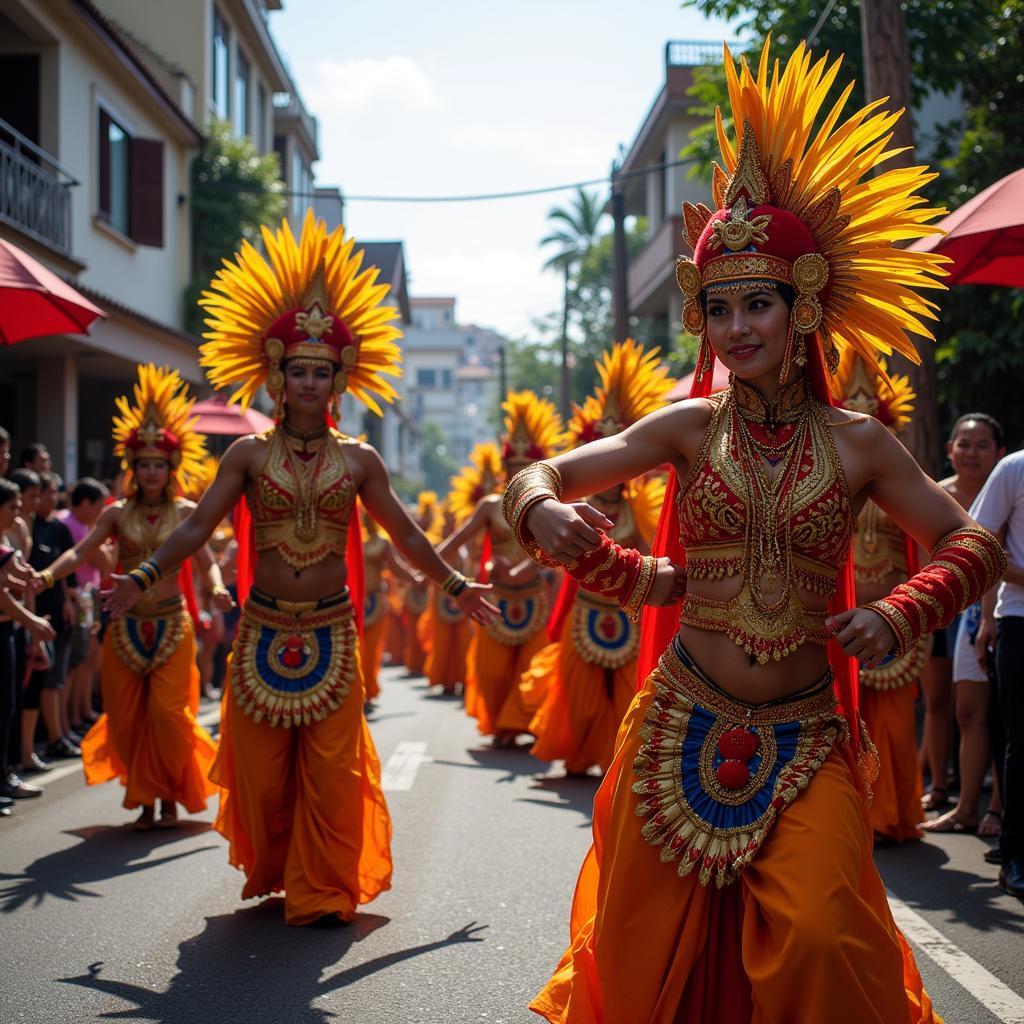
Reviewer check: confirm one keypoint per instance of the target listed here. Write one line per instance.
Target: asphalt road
(99, 922)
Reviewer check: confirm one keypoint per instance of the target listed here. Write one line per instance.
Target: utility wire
(813, 37)
(480, 197)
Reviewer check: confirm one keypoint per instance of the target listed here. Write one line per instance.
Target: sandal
(991, 831)
(949, 824)
(144, 822)
(935, 799)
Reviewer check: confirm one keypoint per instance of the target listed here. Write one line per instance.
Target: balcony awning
(35, 302)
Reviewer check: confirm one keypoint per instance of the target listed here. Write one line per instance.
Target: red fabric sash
(563, 605)
(659, 624)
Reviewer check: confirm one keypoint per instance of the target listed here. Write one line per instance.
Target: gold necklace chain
(306, 476)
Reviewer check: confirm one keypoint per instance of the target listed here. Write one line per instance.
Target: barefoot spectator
(1000, 508)
(975, 445)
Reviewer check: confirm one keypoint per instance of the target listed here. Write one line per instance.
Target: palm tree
(574, 234)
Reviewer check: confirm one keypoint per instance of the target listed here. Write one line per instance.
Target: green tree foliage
(235, 190)
(970, 48)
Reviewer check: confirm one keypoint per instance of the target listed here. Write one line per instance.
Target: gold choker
(787, 406)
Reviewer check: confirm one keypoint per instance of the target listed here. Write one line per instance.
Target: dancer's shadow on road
(918, 875)
(248, 966)
(105, 852)
(514, 764)
(571, 792)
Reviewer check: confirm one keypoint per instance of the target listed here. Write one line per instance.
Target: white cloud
(368, 86)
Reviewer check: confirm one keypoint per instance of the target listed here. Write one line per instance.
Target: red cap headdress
(810, 213)
(533, 430)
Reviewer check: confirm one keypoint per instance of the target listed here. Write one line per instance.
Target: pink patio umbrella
(35, 302)
(985, 237)
(719, 381)
(217, 417)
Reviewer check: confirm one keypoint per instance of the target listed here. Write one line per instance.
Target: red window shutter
(147, 196)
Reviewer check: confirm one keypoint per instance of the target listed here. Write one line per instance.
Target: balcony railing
(35, 191)
(689, 53)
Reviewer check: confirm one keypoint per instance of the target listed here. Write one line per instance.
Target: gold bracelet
(47, 577)
(643, 588)
(218, 589)
(455, 583)
(529, 486)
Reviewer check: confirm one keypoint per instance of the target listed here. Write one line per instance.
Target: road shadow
(105, 852)
(514, 763)
(912, 872)
(248, 966)
(571, 793)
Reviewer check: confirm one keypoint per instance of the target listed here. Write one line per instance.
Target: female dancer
(148, 736)
(736, 763)
(301, 802)
(588, 675)
(416, 596)
(501, 653)
(883, 557)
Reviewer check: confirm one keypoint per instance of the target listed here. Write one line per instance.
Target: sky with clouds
(462, 97)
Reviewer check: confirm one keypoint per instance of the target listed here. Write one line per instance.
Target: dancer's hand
(41, 629)
(566, 532)
(985, 641)
(221, 600)
(669, 583)
(120, 598)
(474, 604)
(864, 634)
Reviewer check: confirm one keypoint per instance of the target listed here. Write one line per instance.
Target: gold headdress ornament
(861, 387)
(156, 422)
(427, 509)
(310, 301)
(633, 384)
(805, 209)
(474, 482)
(533, 430)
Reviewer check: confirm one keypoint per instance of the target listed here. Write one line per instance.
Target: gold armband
(524, 490)
(47, 577)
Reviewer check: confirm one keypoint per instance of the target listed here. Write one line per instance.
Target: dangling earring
(336, 409)
(791, 354)
(703, 357)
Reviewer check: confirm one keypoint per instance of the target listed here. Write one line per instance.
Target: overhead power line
(475, 198)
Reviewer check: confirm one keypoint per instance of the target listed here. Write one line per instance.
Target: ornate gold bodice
(301, 500)
(142, 529)
(879, 547)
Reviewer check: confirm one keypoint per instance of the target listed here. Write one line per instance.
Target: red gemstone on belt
(738, 744)
(733, 774)
(293, 654)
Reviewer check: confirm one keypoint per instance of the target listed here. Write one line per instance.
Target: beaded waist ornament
(713, 773)
(602, 633)
(524, 612)
(899, 671)
(143, 641)
(294, 661)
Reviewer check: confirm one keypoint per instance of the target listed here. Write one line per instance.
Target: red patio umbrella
(217, 417)
(985, 237)
(35, 302)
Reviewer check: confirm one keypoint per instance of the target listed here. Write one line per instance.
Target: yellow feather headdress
(533, 430)
(633, 384)
(200, 480)
(802, 206)
(474, 482)
(311, 300)
(156, 421)
(866, 388)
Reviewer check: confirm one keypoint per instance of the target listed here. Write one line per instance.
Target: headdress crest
(805, 209)
(533, 430)
(862, 387)
(156, 422)
(310, 301)
(633, 384)
(474, 482)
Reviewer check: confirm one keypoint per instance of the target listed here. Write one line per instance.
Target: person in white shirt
(1000, 508)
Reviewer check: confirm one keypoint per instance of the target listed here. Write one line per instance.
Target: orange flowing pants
(804, 936)
(583, 707)
(303, 811)
(449, 644)
(413, 655)
(889, 717)
(371, 645)
(148, 736)
(497, 703)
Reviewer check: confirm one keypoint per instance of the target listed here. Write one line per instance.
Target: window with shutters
(131, 182)
(219, 79)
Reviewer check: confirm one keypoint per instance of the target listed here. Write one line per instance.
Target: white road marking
(999, 999)
(400, 771)
(206, 719)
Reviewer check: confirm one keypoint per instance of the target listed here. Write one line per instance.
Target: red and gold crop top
(301, 500)
(142, 529)
(767, 500)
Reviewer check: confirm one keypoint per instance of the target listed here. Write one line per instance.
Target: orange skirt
(896, 806)
(803, 934)
(497, 703)
(371, 644)
(148, 736)
(413, 656)
(448, 645)
(302, 809)
(579, 718)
